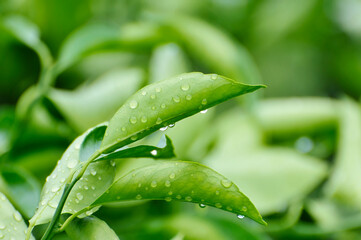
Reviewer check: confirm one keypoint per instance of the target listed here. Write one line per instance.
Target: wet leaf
(97, 178)
(182, 181)
(12, 225)
(166, 102)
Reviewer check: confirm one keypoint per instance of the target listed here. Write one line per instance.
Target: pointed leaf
(90, 228)
(12, 225)
(183, 181)
(91, 142)
(95, 181)
(167, 102)
(143, 151)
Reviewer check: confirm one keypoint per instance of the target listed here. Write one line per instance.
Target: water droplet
(133, 138)
(158, 89)
(79, 196)
(189, 97)
(153, 108)
(204, 101)
(133, 120)
(93, 172)
(240, 216)
(62, 180)
(143, 119)
(218, 205)
(86, 187)
(163, 105)
(2, 227)
(55, 189)
(152, 96)
(244, 209)
(168, 199)
(153, 152)
(77, 146)
(163, 128)
(170, 193)
(71, 164)
(124, 129)
(112, 163)
(133, 104)
(159, 121)
(138, 197)
(176, 99)
(99, 178)
(167, 183)
(153, 184)
(217, 192)
(204, 111)
(17, 216)
(144, 93)
(171, 125)
(52, 204)
(188, 198)
(43, 203)
(229, 208)
(88, 213)
(185, 87)
(178, 196)
(226, 183)
(201, 205)
(92, 187)
(54, 175)
(214, 76)
(172, 176)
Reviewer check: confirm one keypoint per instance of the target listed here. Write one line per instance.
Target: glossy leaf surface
(183, 181)
(166, 102)
(95, 181)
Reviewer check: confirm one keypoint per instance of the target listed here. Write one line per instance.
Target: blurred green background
(293, 149)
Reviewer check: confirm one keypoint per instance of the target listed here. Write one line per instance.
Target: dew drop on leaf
(133, 104)
(2, 227)
(214, 76)
(138, 197)
(168, 199)
(218, 205)
(152, 96)
(163, 105)
(133, 120)
(171, 125)
(240, 216)
(204, 111)
(185, 87)
(55, 189)
(79, 196)
(189, 97)
(163, 128)
(158, 89)
(93, 172)
(201, 205)
(144, 93)
(159, 121)
(144, 119)
(188, 198)
(167, 183)
(172, 176)
(153, 152)
(244, 209)
(71, 164)
(176, 99)
(153, 184)
(226, 183)
(17, 216)
(204, 101)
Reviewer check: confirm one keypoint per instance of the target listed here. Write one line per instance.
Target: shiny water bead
(133, 104)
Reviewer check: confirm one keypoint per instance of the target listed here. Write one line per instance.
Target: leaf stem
(68, 187)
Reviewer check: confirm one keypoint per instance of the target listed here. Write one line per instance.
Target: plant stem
(68, 187)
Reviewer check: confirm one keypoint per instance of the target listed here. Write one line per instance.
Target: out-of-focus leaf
(167, 61)
(297, 115)
(259, 171)
(92, 104)
(90, 228)
(82, 42)
(142, 151)
(97, 178)
(215, 49)
(28, 33)
(343, 183)
(12, 225)
(184, 181)
(166, 102)
(21, 188)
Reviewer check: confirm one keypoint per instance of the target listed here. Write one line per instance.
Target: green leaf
(143, 151)
(91, 142)
(105, 95)
(342, 184)
(96, 179)
(215, 49)
(166, 102)
(167, 61)
(12, 225)
(83, 41)
(183, 181)
(90, 228)
(28, 33)
(21, 188)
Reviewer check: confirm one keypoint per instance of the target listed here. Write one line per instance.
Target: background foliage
(293, 149)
